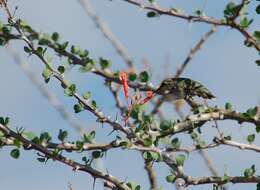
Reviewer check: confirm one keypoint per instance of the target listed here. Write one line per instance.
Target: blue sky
(224, 65)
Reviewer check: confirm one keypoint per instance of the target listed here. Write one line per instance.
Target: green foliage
(257, 62)
(104, 63)
(15, 153)
(180, 159)
(257, 9)
(55, 36)
(63, 135)
(258, 186)
(250, 172)
(70, 90)
(4, 121)
(257, 35)
(61, 69)
(133, 186)
(45, 137)
(171, 178)
(137, 112)
(250, 113)
(176, 143)
(229, 106)
(251, 138)
(80, 145)
(89, 137)
(132, 76)
(89, 64)
(231, 10)
(87, 95)
(151, 156)
(97, 154)
(148, 141)
(78, 108)
(144, 76)
(151, 14)
(47, 72)
(166, 124)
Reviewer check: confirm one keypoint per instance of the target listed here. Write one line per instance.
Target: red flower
(123, 79)
(149, 96)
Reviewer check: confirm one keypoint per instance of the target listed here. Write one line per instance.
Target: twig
(102, 26)
(73, 164)
(202, 19)
(50, 96)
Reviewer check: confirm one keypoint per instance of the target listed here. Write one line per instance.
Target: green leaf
(176, 143)
(252, 112)
(170, 178)
(89, 65)
(69, 91)
(27, 49)
(194, 136)
(87, 95)
(257, 35)
(257, 128)
(251, 138)
(83, 53)
(180, 159)
(144, 76)
(94, 104)
(47, 72)
(137, 112)
(228, 106)
(96, 154)
(41, 159)
(104, 63)
(132, 76)
(80, 145)
(257, 62)
(226, 178)
(166, 124)
(15, 153)
(244, 22)
(229, 138)
(2, 41)
(63, 135)
(55, 36)
(258, 186)
(61, 69)
(17, 143)
(151, 14)
(62, 47)
(249, 172)
(133, 186)
(231, 10)
(257, 9)
(74, 49)
(148, 141)
(89, 137)
(45, 137)
(78, 108)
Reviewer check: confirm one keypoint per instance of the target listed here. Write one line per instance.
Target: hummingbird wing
(194, 88)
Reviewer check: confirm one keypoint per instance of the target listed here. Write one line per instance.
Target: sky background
(224, 65)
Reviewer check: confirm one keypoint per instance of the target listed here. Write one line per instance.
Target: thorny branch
(203, 19)
(73, 164)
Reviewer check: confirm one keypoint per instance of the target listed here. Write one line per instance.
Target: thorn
(111, 132)
(94, 182)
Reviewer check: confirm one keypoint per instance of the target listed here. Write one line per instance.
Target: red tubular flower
(149, 96)
(123, 79)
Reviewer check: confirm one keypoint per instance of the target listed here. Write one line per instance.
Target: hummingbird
(182, 88)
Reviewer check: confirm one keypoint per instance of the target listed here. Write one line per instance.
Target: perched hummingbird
(182, 88)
